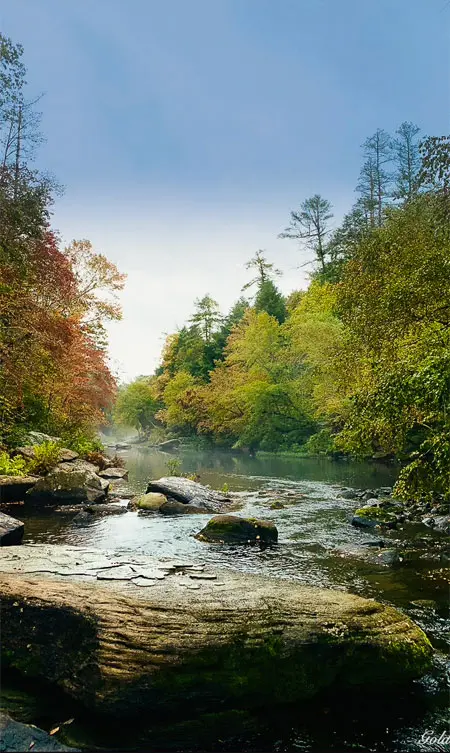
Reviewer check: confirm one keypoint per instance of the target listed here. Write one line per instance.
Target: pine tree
(270, 300)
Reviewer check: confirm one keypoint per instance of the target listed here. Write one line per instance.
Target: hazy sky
(185, 130)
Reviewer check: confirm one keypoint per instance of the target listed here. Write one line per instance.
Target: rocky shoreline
(122, 633)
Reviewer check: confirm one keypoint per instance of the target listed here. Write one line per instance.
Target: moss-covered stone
(178, 654)
(371, 516)
(149, 501)
(230, 529)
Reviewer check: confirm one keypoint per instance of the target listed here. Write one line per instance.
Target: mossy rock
(230, 529)
(258, 642)
(149, 501)
(371, 516)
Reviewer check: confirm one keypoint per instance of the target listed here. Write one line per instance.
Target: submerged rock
(187, 491)
(11, 530)
(125, 650)
(108, 509)
(69, 483)
(16, 737)
(230, 529)
(15, 488)
(172, 507)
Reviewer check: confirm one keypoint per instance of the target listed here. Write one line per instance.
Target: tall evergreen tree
(270, 300)
(375, 177)
(407, 161)
(312, 224)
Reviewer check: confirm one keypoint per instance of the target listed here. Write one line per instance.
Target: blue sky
(185, 130)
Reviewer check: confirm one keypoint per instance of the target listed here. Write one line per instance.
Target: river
(317, 546)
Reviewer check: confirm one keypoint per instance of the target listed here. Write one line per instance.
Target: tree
(270, 300)
(206, 316)
(137, 405)
(375, 178)
(407, 161)
(311, 224)
(264, 270)
(435, 168)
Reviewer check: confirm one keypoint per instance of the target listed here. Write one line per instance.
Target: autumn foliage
(54, 301)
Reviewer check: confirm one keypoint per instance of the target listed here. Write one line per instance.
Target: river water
(317, 546)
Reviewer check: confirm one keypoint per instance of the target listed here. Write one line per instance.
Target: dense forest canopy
(54, 301)
(359, 363)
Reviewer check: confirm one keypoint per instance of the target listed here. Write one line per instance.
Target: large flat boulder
(15, 488)
(190, 492)
(69, 483)
(185, 641)
(11, 530)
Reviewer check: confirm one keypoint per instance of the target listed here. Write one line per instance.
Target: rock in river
(190, 492)
(151, 501)
(372, 515)
(69, 483)
(11, 530)
(14, 488)
(230, 529)
(187, 653)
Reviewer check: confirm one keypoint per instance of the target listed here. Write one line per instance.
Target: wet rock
(187, 491)
(150, 501)
(120, 649)
(375, 542)
(368, 494)
(172, 507)
(349, 494)
(442, 523)
(11, 530)
(230, 529)
(371, 516)
(390, 557)
(114, 473)
(16, 737)
(15, 488)
(277, 505)
(108, 509)
(69, 483)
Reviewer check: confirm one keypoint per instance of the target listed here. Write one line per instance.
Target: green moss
(380, 514)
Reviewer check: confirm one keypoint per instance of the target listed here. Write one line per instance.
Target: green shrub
(84, 445)
(321, 443)
(174, 467)
(12, 466)
(46, 456)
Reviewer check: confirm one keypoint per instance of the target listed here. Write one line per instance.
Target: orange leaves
(54, 364)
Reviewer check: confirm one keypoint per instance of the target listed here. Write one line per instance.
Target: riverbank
(317, 545)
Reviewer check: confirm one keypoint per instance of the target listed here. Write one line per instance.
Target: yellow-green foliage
(46, 456)
(12, 466)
